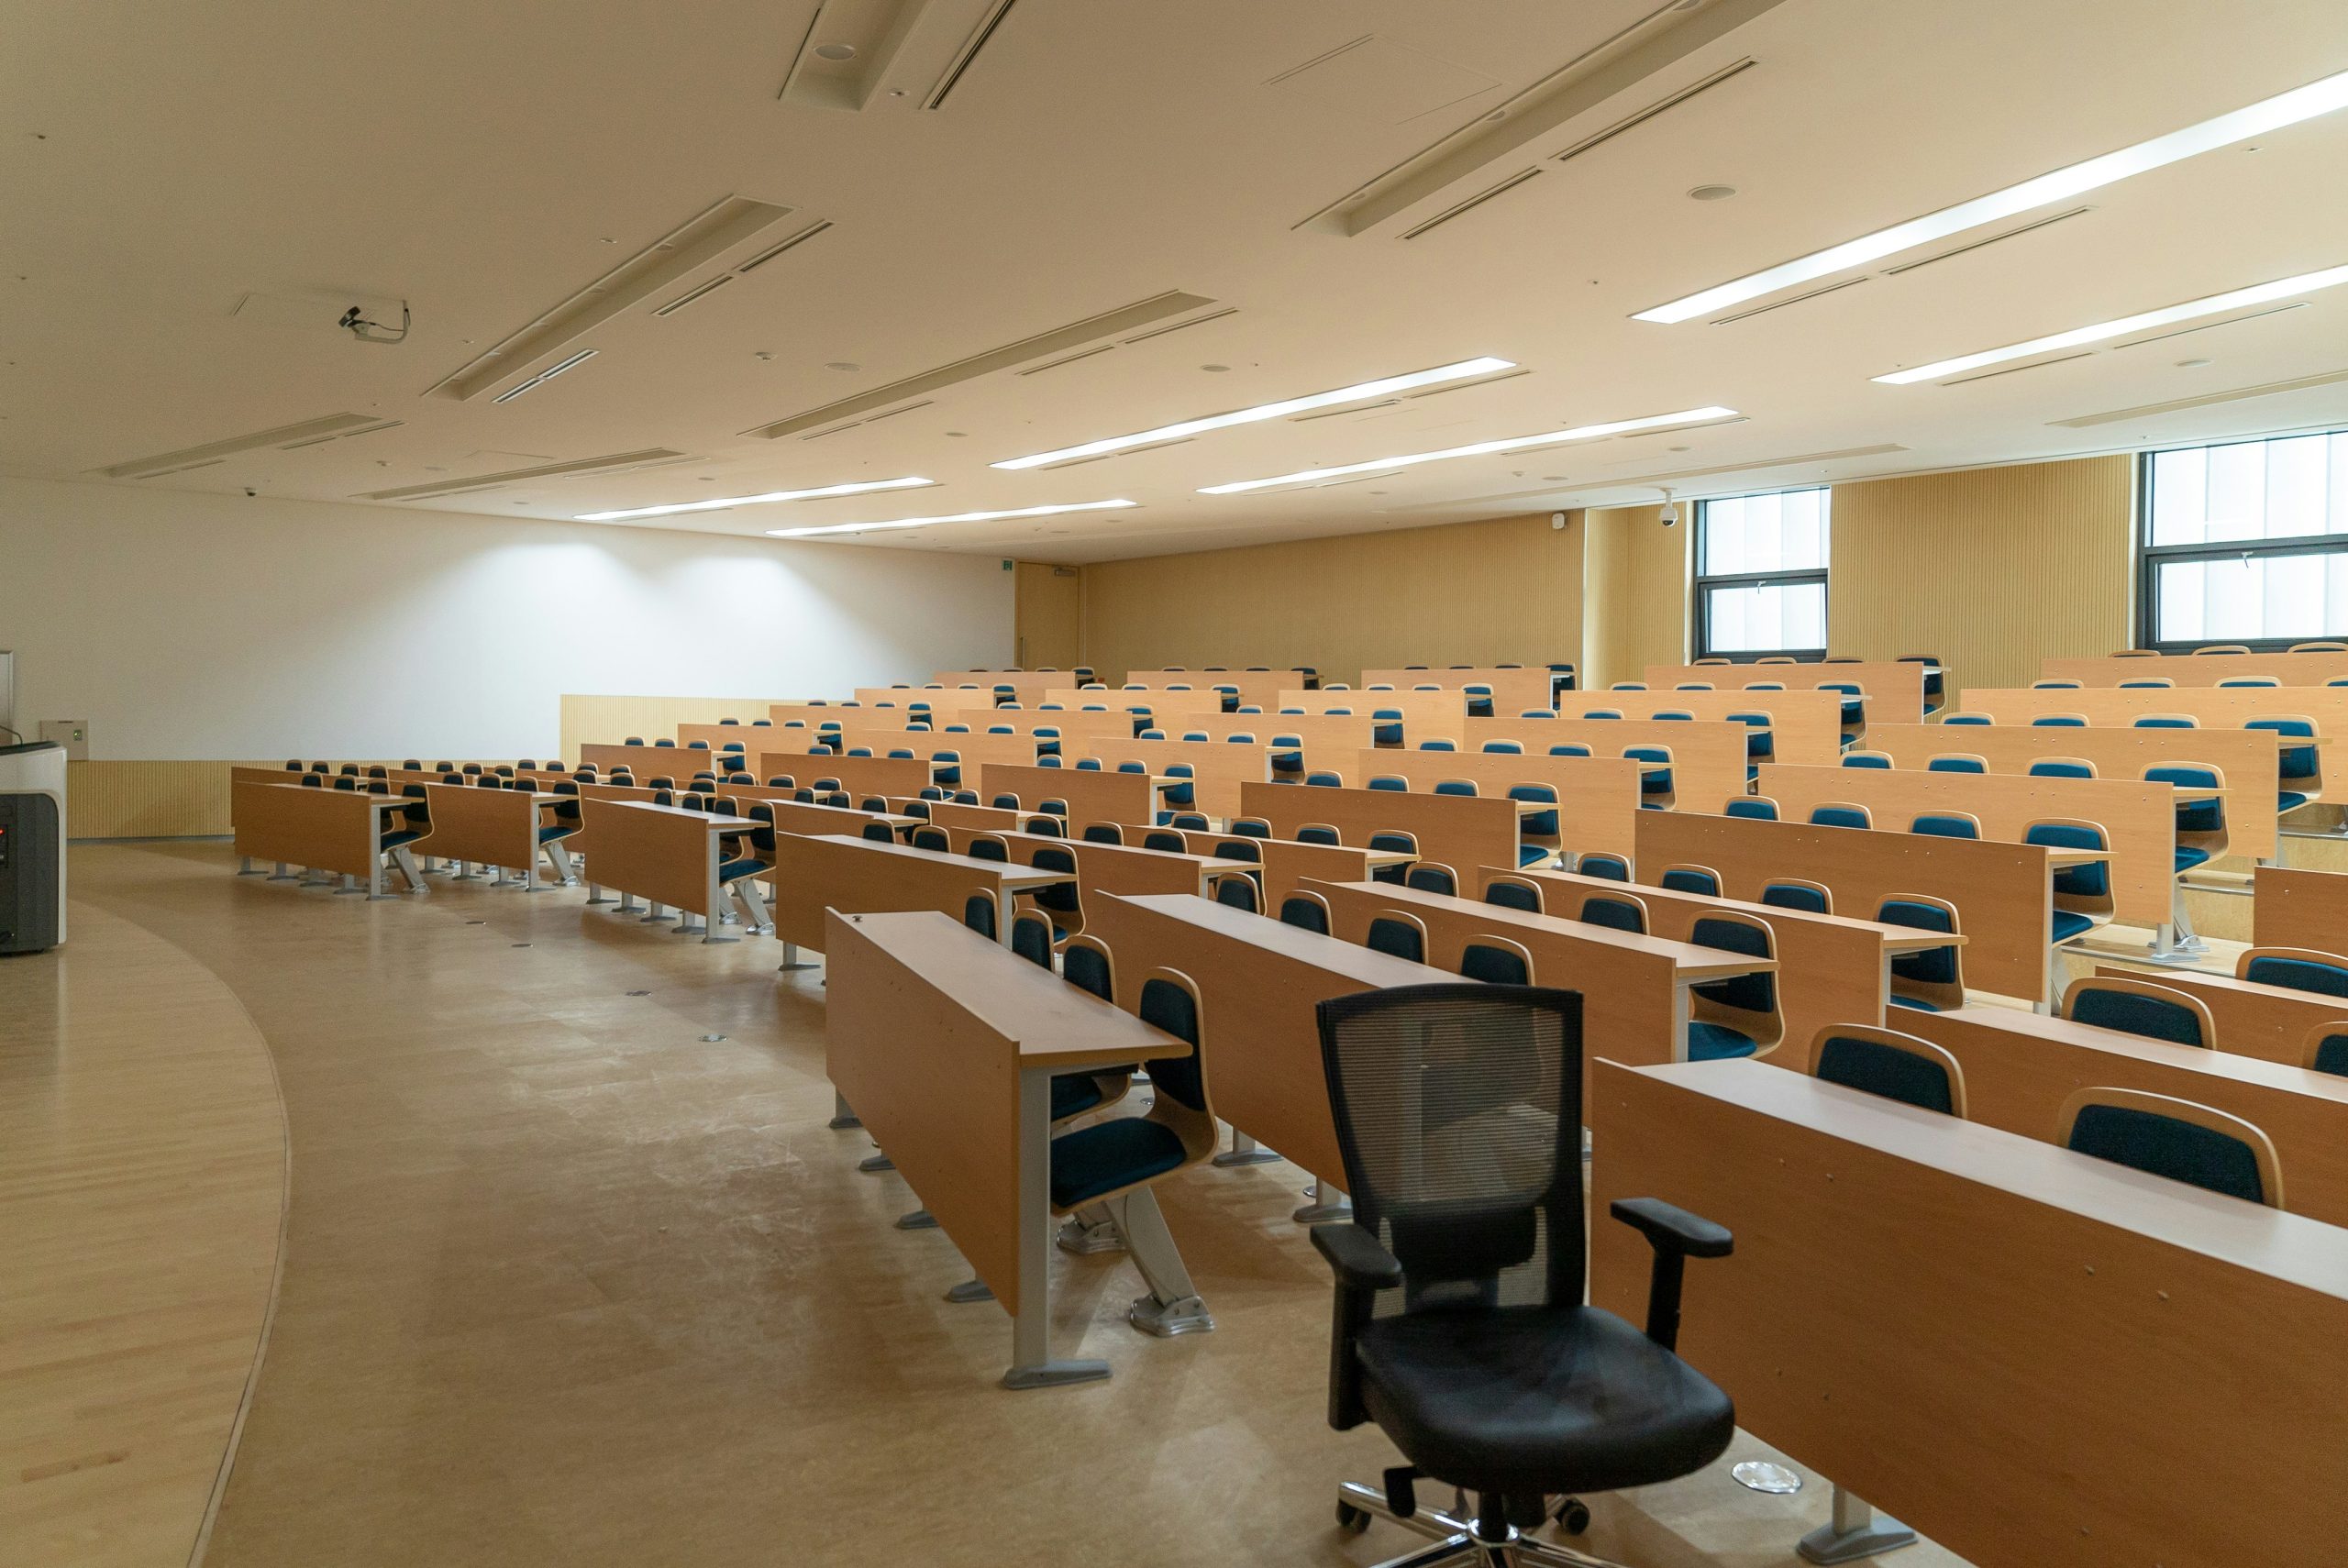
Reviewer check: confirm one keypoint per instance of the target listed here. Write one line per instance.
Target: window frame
(2151, 557)
(1699, 615)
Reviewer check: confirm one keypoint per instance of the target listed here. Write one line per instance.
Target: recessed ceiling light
(1483, 448)
(958, 432)
(1188, 427)
(1713, 193)
(1214, 368)
(862, 488)
(842, 365)
(957, 517)
(2190, 364)
(2305, 103)
(2282, 288)
(834, 51)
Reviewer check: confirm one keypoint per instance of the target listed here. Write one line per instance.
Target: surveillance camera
(1670, 517)
(1556, 520)
(251, 491)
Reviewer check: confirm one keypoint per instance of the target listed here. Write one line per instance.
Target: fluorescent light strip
(1366, 390)
(2305, 103)
(720, 503)
(1515, 444)
(543, 377)
(957, 517)
(2215, 305)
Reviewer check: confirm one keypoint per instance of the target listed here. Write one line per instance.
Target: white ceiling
(485, 162)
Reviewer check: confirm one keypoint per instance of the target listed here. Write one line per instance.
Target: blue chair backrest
(2332, 1055)
(1436, 746)
(1326, 781)
(1511, 896)
(1955, 765)
(1836, 816)
(2047, 768)
(2082, 881)
(1966, 718)
(1570, 748)
(2058, 722)
(1611, 867)
(1934, 825)
(1752, 993)
(1396, 939)
(1865, 760)
(2192, 816)
(2295, 762)
(1933, 965)
(1305, 915)
(1493, 966)
(1788, 896)
(1873, 1067)
(1760, 811)
(1504, 747)
(2133, 1012)
(1617, 914)
(1680, 880)
(1087, 969)
(2164, 722)
(2168, 1146)
(1390, 781)
(1454, 786)
(2298, 975)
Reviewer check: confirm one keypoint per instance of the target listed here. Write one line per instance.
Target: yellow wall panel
(1634, 610)
(1050, 616)
(148, 799)
(607, 721)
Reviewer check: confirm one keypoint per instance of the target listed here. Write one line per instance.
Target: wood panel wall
(1507, 592)
(607, 721)
(150, 800)
(1049, 615)
(1992, 569)
(1634, 609)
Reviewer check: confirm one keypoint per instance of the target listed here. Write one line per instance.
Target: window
(2245, 543)
(1761, 575)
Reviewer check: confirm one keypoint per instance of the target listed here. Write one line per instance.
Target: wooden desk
(1337, 735)
(1805, 726)
(1708, 756)
(1259, 982)
(496, 828)
(1121, 798)
(946, 1045)
(2217, 707)
(1458, 831)
(857, 875)
(1111, 867)
(806, 817)
(2020, 1067)
(862, 777)
(2200, 669)
(1157, 700)
(1634, 1000)
(669, 854)
(1026, 685)
(678, 762)
(1426, 715)
(1256, 688)
(1894, 689)
(2270, 1023)
(2247, 758)
(1598, 797)
(2002, 891)
(2299, 909)
(937, 699)
(1287, 864)
(324, 829)
(2017, 1349)
(1513, 689)
(1218, 768)
(972, 747)
(2139, 820)
(1831, 968)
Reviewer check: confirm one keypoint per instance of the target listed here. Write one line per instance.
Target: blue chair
(1086, 964)
(933, 839)
(1455, 787)
(1957, 762)
(1738, 1016)
(1324, 780)
(1968, 719)
(2083, 895)
(1287, 758)
(1391, 782)
(1496, 961)
(1238, 892)
(1433, 876)
(1616, 912)
(1031, 938)
(1480, 701)
(2131, 685)
(2141, 1008)
(1251, 827)
(1854, 709)
(987, 846)
(1840, 814)
(2074, 684)
(1438, 745)
(1760, 745)
(2300, 767)
(1317, 833)
(1700, 879)
(1398, 935)
(1570, 748)
(1183, 796)
(1538, 831)
(1306, 912)
(2058, 722)
(1514, 893)
(2168, 722)
(1866, 759)
(2062, 767)
(1947, 824)
(2173, 1138)
(2327, 1049)
(2201, 833)
(1059, 901)
(1655, 791)
(2295, 969)
(1396, 842)
(1504, 747)
(1935, 685)
(1795, 893)
(1888, 1063)
(1166, 839)
(1759, 808)
(1608, 868)
(1388, 730)
(1930, 980)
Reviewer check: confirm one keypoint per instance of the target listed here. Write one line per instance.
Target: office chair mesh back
(1453, 1105)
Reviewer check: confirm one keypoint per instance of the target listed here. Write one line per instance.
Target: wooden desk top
(2188, 1058)
(1351, 961)
(1895, 938)
(730, 825)
(2248, 1235)
(348, 794)
(1011, 875)
(1689, 961)
(1053, 1023)
(1202, 863)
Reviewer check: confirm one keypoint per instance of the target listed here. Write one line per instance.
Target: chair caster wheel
(1350, 1520)
(1572, 1515)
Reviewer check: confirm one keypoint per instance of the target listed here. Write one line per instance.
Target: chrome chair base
(968, 1291)
(1455, 1538)
(1167, 1319)
(1085, 1237)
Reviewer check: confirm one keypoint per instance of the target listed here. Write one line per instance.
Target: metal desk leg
(1329, 1204)
(245, 866)
(595, 894)
(1032, 1366)
(280, 874)
(791, 959)
(1856, 1532)
(842, 1116)
(1679, 1010)
(1245, 1150)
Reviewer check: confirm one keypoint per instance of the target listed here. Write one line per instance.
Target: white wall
(204, 626)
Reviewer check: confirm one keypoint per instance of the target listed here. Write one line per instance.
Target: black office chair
(1460, 1326)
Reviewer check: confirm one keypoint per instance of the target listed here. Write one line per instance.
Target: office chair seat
(1510, 1400)
(2068, 925)
(1073, 1094)
(398, 836)
(1109, 1156)
(2187, 859)
(734, 870)
(1717, 1041)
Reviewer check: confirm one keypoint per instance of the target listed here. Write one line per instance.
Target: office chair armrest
(1676, 1229)
(1360, 1260)
(1676, 1235)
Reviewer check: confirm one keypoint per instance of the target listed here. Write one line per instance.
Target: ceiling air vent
(847, 50)
(1661, 105)
(1790, 300)
(617, 462)
(801, 237)
(966, 56)
(342, 435)
(213, 451)
(1181, 326)
(1967, 249)
(1471, 204)
(2018, 369)
(2206, 400)
(698, 292)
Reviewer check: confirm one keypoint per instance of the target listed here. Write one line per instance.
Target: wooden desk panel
(1806, 726)
(1321, 733)
(1904, 1285)
(1259, 982)
(862, 777)
(2217, 708)
(1107, 868)
(940, 699)
(1026, 685)
(678, 762)
(2002, 891)
(974, 748)
(2247, 758)
(487, 827)
(1460, 830)
(325, 829)
(1073, 724)
(1708, 756)
(2299, 909)
(2267, 1021)
(1218, 768)
(1426, 715)
(664, 855)
(856, 875)
(2020, 1067)
(752, 736)
(1598, 798)
(1256, 689)
(2139, 820)
(950, 815)
(1122, 798)
(1894, 690)
(2199, 669)
(1830, 969)
(1513, 690)
(1153, 700)
(806, 817)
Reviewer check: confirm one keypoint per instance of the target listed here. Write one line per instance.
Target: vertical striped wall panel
(1634, 580)
(147, 800)
(1508, 592)
(1992, 569)
(1049, 616)
(607, 721)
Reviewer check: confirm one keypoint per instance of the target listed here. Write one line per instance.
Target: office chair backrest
(1455, 787)
(1957, 762)
(1611, 867)
(1085, 964)
(1700, 879)
(1317, 833)
(987, 846)
(2062, 767)
(1866, 759)
(1164, 838)
(1306, 912)
(932, 838)
(1886, 1063)
(1760, 808)
(1413, 1069)
(1514, 893)
(1103, 833)
(1840, 814)
(1623, 912)
(2139, 1008)
(2295, 969)
(2173, 1138)
(1239, 849)
(979, 913)
(2326, 1048)
(1496, 961)
(1393, 782)
(1398, 935)
(1947, 824)
(1236, 892)
(1031, 938)
(1433, 876)
(1251, 827)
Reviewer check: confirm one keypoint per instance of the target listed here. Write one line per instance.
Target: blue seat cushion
(398, 836)
(557, 830)
(1109, 1156)
(1528, 853)
(1911, 1001)
(2068, 925)
(1073, 1094)
(2187, 859)
(734, 870)
(1716, 1041)
(2289, 801)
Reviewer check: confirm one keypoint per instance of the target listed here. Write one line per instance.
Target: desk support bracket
(1032, 1366)
(1856, 1530)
